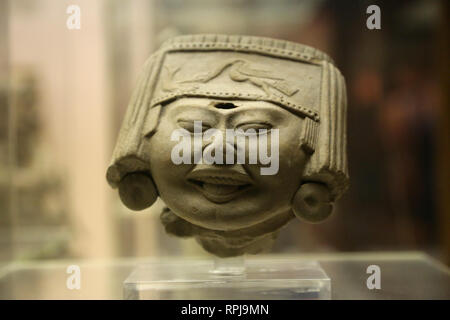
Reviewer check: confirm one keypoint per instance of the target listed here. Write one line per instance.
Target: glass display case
(404, 275)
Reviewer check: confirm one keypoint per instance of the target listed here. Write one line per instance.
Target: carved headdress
(296, 77)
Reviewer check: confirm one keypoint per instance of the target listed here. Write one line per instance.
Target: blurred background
(63, 94)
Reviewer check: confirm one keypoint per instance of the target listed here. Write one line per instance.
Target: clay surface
(237, 135)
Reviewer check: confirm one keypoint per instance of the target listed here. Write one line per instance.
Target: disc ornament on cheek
(229, 82)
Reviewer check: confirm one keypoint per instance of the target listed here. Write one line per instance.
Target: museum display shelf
(404, 275)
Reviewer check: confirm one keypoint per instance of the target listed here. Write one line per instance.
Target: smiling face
(227, 197)
(234, 82)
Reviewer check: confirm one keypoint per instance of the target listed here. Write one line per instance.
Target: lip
(218, 184)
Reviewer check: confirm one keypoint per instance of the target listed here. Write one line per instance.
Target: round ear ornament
(137, 191)
(312, 202)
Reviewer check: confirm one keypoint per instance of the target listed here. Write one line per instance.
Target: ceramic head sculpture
(237, 135)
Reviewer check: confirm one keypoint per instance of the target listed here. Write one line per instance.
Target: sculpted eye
(255, 128)
(189, 125)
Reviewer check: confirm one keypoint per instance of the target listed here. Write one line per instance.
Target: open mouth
(219, 185)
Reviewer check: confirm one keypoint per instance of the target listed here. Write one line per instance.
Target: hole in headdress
(225, 105)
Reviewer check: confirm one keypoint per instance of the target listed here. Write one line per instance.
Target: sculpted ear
(312, 202)
(137, 191)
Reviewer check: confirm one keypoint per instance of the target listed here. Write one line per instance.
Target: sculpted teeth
(221, 181)
(220, 185)
(219, 189)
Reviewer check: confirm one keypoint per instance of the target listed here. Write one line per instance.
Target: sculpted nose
(215, 151)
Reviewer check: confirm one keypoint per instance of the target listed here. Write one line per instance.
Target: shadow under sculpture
(252, 85)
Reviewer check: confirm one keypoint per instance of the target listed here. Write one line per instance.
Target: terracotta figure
(237, 135)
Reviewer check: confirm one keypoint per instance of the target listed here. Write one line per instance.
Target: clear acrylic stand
(228, 279)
